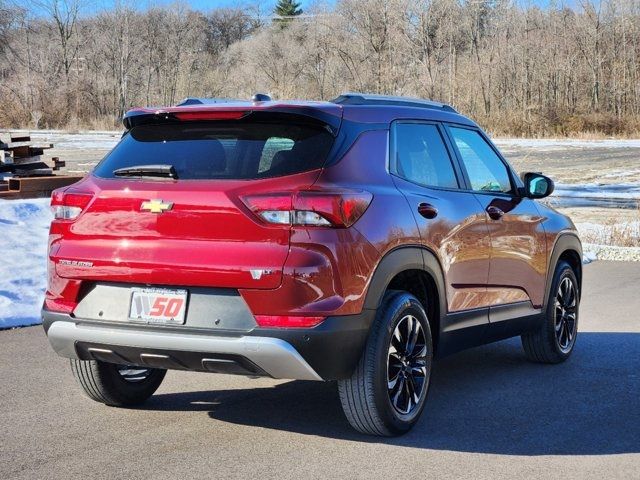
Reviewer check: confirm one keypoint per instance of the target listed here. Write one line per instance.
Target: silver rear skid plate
(276, 357)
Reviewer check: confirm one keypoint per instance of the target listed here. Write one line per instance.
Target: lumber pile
(25, 172)
(34, 187)
(20, 157)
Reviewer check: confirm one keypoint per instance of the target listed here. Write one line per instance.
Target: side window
(486, 171)
(421, 156)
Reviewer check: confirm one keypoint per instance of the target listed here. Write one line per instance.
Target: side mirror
(537, 185)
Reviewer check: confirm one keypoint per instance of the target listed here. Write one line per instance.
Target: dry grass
(614, 232)
(105, 122)
(593, 126)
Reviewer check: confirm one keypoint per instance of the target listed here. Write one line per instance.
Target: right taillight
(68, 205)
(312, 208)
(288, 321)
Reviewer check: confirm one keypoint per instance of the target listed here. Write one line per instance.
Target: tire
(549, 344)
(112, 384)
(371, 400)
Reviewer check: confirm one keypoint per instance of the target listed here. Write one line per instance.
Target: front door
(518, 264)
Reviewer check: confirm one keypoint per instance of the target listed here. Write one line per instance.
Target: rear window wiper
(165, 171)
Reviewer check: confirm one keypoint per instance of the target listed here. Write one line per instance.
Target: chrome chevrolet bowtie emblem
(156, 206)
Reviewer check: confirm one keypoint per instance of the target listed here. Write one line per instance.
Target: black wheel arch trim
(566, 241)
(401, 259)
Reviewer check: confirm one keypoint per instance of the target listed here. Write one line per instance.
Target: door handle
(495, 213)
(427, 210)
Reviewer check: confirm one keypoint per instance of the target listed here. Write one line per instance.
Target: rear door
(196, 229)
(518, 255)
(451, 222)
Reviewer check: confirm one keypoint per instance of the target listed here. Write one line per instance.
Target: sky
(265, 7)
(210, 4)
(92, 6)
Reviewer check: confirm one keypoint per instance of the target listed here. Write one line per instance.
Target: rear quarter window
(221, 151)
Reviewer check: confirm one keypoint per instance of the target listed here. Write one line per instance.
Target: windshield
(221, 151)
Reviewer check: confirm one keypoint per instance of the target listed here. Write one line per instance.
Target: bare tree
(64, 14)
(518, 68)
(225, 26)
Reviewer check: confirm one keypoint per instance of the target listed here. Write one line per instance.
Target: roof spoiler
(232, 112)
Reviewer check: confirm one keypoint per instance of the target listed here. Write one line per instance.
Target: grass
(615, 233)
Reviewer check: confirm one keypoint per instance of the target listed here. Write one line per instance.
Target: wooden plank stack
(25, 172)
(20, 157)
(34, 187)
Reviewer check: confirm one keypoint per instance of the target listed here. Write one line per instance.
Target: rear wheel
(116, 385)
(387, 392)
(553, 342)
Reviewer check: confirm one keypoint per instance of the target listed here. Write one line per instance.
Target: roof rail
(351, 98)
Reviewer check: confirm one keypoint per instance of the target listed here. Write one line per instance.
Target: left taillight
(67, 205)
(311, 208)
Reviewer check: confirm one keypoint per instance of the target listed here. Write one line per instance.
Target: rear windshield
(221, 151)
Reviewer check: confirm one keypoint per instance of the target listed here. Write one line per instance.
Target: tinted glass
(486, 171)
(422, 157)
(221, 151)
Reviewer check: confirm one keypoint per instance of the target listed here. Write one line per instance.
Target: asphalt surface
(490, 414)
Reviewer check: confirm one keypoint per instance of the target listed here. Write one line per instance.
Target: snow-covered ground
(24, 226)
(564, 143)
(629, 190)
(82, 140)
(622, 195)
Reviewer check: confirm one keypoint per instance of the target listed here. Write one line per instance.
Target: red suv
(352, 240)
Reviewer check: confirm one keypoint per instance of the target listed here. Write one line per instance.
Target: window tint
(486, 171)
(200, 150)
(422, 157)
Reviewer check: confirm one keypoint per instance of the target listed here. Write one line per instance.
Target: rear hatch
(192, 226)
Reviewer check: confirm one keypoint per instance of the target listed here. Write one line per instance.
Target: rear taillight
(68, 205)
(315, 208)
(288, 321)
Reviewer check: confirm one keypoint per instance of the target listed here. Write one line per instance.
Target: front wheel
(386, 393)
(553, 342)
(116, 385)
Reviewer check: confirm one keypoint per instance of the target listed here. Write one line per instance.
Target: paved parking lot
(490, 414)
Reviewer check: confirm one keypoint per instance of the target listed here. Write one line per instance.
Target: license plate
(158, 305)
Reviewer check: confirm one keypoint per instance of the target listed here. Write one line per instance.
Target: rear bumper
(327, 352)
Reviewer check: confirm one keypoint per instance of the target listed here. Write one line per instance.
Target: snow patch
(83, 140)
(609, 252)
(588, 257)
(622, 195)
(564, 143)
(628, 190)
(24, 228)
